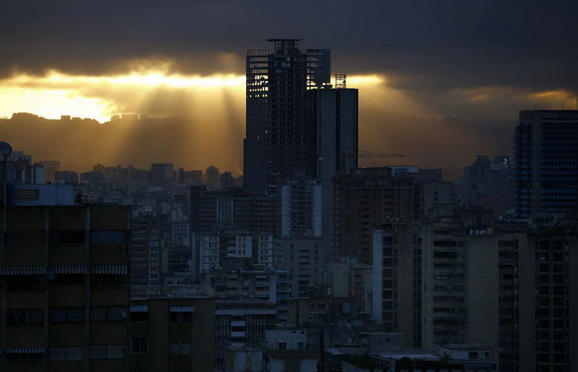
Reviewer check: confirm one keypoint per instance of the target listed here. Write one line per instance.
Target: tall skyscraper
(546, 154)
(334, 114)
(280, 137)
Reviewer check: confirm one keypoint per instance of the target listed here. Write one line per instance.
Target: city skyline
(303, 186)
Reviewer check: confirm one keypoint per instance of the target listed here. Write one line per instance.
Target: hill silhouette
(447, 143)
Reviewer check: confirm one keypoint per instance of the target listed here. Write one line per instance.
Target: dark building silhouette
(226, 180)
(489, 184)
(365, 198)
(212, 176)
(279, 139)
(65, 288)
(546, 154)
(161, 175)
(298, 127)
(172, 334)
(194, 177)
(66, 177)
(181, 176)
(334, 116)
(465, 278)
(51, 167)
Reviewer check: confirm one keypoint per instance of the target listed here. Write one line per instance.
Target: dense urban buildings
(307, 262)
(465, 278)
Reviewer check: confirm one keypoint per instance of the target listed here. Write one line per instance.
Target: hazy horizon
(184, 141)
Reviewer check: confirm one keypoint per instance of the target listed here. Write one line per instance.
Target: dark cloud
(430, 43)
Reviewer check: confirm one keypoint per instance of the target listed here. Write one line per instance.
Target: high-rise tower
(546, 154)
(280, 137)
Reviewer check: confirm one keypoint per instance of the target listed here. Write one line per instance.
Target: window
(67, 237)
(26, 357)
(100, 281)
(67, 315)
(109, 352)
(187, 317)
(180, 346)
(108, 237)
(27, 194)
(107, 314)
(139, 317)
(25, 282)
(181, 317)
(139, 345)
(68, 279)
(24, 238)
(65, 354)
(25, 317)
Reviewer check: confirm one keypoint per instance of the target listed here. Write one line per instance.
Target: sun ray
(209, 111)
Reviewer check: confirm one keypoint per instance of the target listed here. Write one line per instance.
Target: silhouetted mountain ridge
(448, 143)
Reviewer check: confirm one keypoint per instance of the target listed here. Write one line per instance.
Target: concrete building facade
(65, 291)
(366, 198)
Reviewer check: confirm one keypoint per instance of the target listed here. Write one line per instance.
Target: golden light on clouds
(144, 89)
(150, 78)
(158, 78)
(365, 80)
(497, 94)
(99, 97)
(213, 105)
(554, 94)
(207, 115)
(51, 103)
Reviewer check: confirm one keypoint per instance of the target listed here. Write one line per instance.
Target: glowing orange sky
(215, 104)
(99, 97)
(146, 89)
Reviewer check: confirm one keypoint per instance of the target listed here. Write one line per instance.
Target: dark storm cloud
(424, 47)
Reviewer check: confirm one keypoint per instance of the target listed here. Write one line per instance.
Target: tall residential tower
(280, 137)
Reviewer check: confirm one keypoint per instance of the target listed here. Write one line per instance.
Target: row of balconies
(67, 255)
(69, 334)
